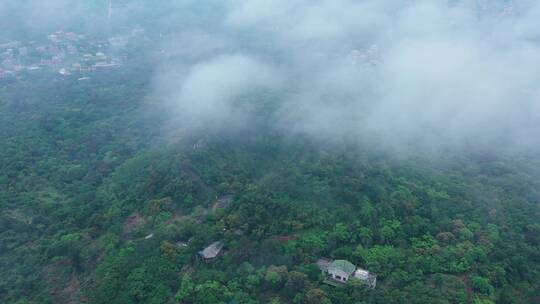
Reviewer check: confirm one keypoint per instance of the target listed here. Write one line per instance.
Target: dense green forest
(102, 202)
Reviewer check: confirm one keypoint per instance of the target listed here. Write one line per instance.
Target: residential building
(341, 272)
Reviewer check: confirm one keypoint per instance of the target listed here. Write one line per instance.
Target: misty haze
(270, 151)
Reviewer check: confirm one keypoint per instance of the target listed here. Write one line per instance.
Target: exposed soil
(133, 221)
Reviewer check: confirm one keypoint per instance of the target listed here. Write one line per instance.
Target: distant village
(64, 53)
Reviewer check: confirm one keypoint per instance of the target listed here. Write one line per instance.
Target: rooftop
(211, 251)
(342, 265)
(361, 274)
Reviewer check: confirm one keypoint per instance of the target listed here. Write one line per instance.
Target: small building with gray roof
(212, 251)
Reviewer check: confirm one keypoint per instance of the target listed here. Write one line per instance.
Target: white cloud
(442, 72)
(210, 90)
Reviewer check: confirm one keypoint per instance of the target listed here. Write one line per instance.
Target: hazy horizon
(415, 73)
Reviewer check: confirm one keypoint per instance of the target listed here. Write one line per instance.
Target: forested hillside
(102, 202)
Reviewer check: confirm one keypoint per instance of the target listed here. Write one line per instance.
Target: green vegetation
(95, 203)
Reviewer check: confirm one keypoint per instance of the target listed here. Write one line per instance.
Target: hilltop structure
(341, 272)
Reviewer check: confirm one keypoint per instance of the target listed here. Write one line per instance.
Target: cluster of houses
(64, 53)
